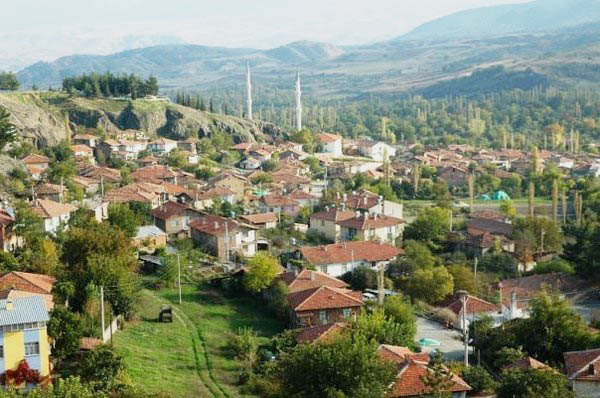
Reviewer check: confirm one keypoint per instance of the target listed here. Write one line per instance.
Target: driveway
(451, 340)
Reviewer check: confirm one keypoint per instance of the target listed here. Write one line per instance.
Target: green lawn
(189, 357)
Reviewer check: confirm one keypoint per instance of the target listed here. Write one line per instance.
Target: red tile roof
(577, 364)
(326, 137)
(531, 286)
(307, 279)
(214, 225)
(412, 369)
(274, 200)
(44, 282)
(347, 251)
(527, 363)
(261, 218)
(170, 209)
(475, 305)
(319, 333)
(153, 173)
(366, 222)
(51, 209)
(35, 159)
(323, 297)
(333, 214)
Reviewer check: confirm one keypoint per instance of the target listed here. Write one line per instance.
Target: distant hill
(556, 39)
(536, 16)
(178, 65)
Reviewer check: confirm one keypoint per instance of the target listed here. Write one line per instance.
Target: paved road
(451, 343)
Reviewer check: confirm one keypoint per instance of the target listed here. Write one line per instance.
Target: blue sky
(34, 30)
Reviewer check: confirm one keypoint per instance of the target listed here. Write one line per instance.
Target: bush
(478, 378)
(361, 278)
(557, 265)
(445, 315)
(244, 345)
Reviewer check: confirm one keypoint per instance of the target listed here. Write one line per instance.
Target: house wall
(235, 184)
(586, 389)
(390, 209)
(386, 234)
(340, 269)
(333, 147)
(312, 318)
(327, 228)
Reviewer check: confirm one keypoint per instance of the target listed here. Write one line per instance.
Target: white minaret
(298, 102)
(248, 92)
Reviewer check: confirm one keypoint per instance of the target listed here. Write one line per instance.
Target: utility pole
(543, 232)
(464, 294)
(102, 309)
(380, 284)
(475, 270)
(227, 239)
(102, 185)
(179, 276)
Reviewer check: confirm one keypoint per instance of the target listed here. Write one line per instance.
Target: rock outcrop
(41, 118)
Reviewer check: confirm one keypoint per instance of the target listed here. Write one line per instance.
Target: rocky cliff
(42, 118)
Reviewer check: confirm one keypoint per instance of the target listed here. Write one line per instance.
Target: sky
(42, 30)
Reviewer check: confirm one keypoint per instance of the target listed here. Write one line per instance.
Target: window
(32, 349)
(1, 351)
(323, 316)
(347, 312)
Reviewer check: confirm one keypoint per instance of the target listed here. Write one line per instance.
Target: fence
(111, 329)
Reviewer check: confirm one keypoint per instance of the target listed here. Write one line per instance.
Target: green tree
(464, 278)
(557, 265)
(121, 216)
(384, 329)
(344, 367)
(401, 311)
(535, 383)
(431, 226)
(262, 270)
(361, 278)
(278, 299)
(545, 231)
(8, 81)
(8, 131)
(100, 368)
(431, 285)
(508, 209)
(64, 327)
(479, 379)
(244, 346)
(438, 380)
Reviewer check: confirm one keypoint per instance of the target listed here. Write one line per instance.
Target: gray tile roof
(25, 310)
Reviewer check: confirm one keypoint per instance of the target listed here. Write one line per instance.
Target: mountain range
(558, 40)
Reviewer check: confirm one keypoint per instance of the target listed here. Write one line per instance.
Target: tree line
(8, 81)
(108, 84)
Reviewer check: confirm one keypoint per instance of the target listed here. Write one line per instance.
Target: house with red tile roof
(331, 143)
(261, 220)
(38, 161)
(83, 152)
(372, 227)
(338, 258)
(224, 237)
(326, 222)
(156, 174)
(150, 193)
(54, 214)
(583, 371)
(369, 202)
(25, 284)
(275, 203)
(308, 279)
(323, 305)
(476, 308)
(174, 218)
(162, 146)
(49, 191)
(86, 139)
(514, 293)
(412, 368)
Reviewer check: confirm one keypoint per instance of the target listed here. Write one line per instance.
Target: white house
(331, 143)
(338, 258)
(162, 145)
(376, 150)
(53, 214)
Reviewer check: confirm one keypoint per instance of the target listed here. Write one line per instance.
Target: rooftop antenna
(298, 102)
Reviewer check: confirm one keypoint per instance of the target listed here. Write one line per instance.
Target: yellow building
(23, 334)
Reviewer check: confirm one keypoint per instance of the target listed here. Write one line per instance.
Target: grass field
(189, 357)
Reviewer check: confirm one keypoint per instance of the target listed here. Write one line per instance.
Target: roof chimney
(345, 196)
(592, 369)
(327, 208)
(325, 248)
(365, 200)
(357, 214)
(9, 305)
(216, 225)
(312, 275)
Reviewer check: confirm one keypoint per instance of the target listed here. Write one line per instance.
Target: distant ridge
(535, 16)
